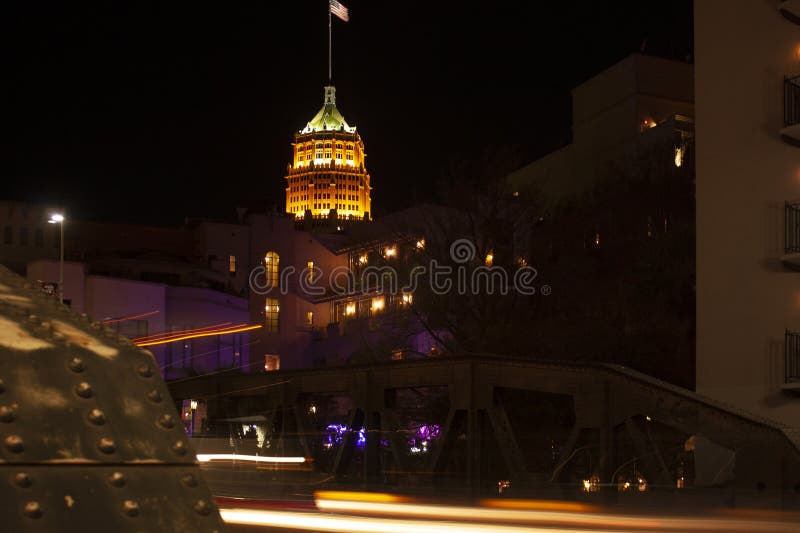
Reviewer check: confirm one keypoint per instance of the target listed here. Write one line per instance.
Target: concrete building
(638, 100)
(152, 313)
(26, 235)
(748, 185)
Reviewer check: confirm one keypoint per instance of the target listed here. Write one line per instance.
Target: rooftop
(328, 118)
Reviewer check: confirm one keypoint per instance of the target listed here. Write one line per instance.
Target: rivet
(202, 507)
(76, 364)
(189, 480)
(106, 445)
(166, 421)
(96, 417)
(144, 370)
(179, 447)
(14, 443)
(23, 480)
(84, 390)
(6, 414)
(154, 396)
(117, 479)
(33, 318)
(130, 507)
(32, 510)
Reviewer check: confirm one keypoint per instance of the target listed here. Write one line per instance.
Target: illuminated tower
(327, 175)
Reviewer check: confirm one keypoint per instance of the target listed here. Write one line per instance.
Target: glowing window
(272, 363)
(310, 318)
(272, 313)
(272, 262)
(310, 267)
(232, 264)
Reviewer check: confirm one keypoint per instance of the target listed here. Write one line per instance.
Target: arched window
(272, 263)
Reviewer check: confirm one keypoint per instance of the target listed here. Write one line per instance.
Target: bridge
(547, 425)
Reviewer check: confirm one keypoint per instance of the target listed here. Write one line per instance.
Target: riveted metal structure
(89, 438)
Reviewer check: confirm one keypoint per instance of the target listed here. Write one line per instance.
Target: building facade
(610, 113)
(26, 234)
(748, 186)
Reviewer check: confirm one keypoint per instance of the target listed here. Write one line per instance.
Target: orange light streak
(165, 334)
(196, 335)
(132, 317)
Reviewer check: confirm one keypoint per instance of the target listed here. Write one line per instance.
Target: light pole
(58, 218)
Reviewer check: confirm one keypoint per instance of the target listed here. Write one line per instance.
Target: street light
(58, 218)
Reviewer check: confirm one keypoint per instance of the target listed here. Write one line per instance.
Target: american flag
(339, 10)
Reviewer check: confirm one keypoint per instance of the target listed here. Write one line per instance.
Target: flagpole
(330, 32)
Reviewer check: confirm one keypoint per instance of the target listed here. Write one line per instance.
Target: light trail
(206, 457)
(197, 335)
(165, 334)
(315, 521)
(132, 317)
(547, 517)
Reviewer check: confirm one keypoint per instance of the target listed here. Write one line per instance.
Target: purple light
(335, 435)
(428, 432)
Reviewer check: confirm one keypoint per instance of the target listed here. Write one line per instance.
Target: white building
(748, 179)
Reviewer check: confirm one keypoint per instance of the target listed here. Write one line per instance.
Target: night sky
(151, 112)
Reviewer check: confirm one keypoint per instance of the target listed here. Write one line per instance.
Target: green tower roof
(328, 118)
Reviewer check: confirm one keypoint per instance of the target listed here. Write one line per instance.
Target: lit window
(272, 362)
(232, 264)
(679, 151)
(421, 244)
(350, 309)
(363, 259)
(377, 304)
(272, 262)
(489, 259)
(407, 298)
(391, 251)
(310, 267)
(310, 318)
(272, 314)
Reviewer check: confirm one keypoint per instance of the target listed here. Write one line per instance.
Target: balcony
(791, 382)
(791, 110)
(790, 9)
(791, 247)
